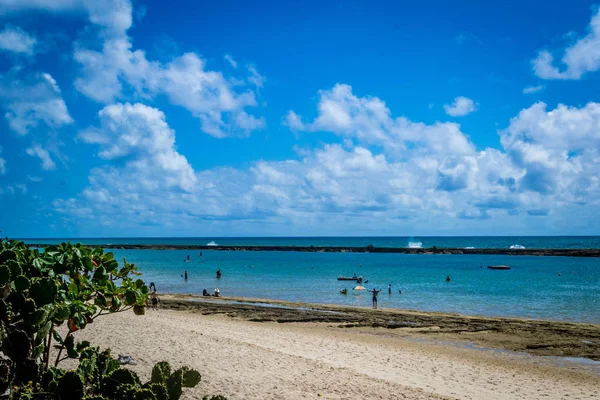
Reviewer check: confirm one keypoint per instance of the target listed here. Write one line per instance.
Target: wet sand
(537, 337)
(249, 352)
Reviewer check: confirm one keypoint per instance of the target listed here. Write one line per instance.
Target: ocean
(554, 288)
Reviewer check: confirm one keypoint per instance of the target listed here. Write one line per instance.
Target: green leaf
(160, 392)
(42, 332)
(38, 350)
(70, 386)
(174, 385)
(100, 300)
(83, 345)
(111, 266)
(160, 372)
(38, 317)
(70, 346)
(43, 291)
(7, 255)
(100, 275)
(57, 337)
(21, 283)
(123, 375)
(116, 304)
(3, 310)
(16, 345)
(144, 394)
(4, 275)
(26, 371)
(191, 378)
(62, 313)
(15, 268)
(130, 297)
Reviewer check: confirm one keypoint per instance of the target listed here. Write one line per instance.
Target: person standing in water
(219, 274)
(448, 278)
(375, 293)
(390, 288)
(185, 276)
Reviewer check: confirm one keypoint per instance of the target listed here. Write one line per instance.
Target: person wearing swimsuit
(375, 293)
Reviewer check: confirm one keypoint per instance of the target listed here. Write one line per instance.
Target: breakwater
(364, 249)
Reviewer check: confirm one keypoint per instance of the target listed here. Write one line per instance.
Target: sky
(303, 118)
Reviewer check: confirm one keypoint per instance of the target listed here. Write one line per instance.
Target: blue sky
(298, 118)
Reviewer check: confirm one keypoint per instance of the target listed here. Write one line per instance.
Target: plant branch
(61, 349)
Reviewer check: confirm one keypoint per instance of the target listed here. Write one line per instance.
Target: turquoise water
(531, 289)
(538, 242)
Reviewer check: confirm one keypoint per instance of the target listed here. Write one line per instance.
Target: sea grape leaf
(191, 378)
(4, 275)
(160, 372)
(70, 386)
(21, 283)
(43, 291)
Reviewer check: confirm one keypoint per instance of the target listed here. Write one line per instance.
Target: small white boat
(211, 243)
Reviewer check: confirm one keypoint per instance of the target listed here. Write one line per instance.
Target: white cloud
(558, 149)
(16, 40)
(533, 89)
(2, 166)
(140, 136)
(255, 77)
(43, 155)
(581, 57)
(293, 121)
(368, 120)
(230, 60)
(460, 107)
(114, 16)
(30, 99)
(118, 71)
(186, 82)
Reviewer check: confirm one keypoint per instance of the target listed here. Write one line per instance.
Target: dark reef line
(365, 249)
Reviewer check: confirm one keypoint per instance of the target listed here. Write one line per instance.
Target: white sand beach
(267, 360)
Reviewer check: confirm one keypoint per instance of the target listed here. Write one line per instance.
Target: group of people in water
(376, 292)
(154, 300)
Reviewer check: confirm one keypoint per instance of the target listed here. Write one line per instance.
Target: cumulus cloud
(16, 40)
(414, 172)
(139, 135)
(31, 98)
(368, 120)
(44, 156)
(460, 107)
(533, 89)
(581, 57)
(116, 71)
(557, 149)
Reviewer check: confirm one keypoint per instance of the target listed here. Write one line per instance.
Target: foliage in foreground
(72, 285)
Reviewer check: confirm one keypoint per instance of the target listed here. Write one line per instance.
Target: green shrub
(73, 285)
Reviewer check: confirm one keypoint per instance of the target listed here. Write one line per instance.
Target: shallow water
(531, 289)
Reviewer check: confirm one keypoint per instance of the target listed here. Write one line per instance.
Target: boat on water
(358, 279)
(211, 243)
(498, 267)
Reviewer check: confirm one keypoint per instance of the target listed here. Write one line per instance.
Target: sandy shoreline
(537, 337)
(246, 359)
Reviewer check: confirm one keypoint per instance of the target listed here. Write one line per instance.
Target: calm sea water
(531, 289)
